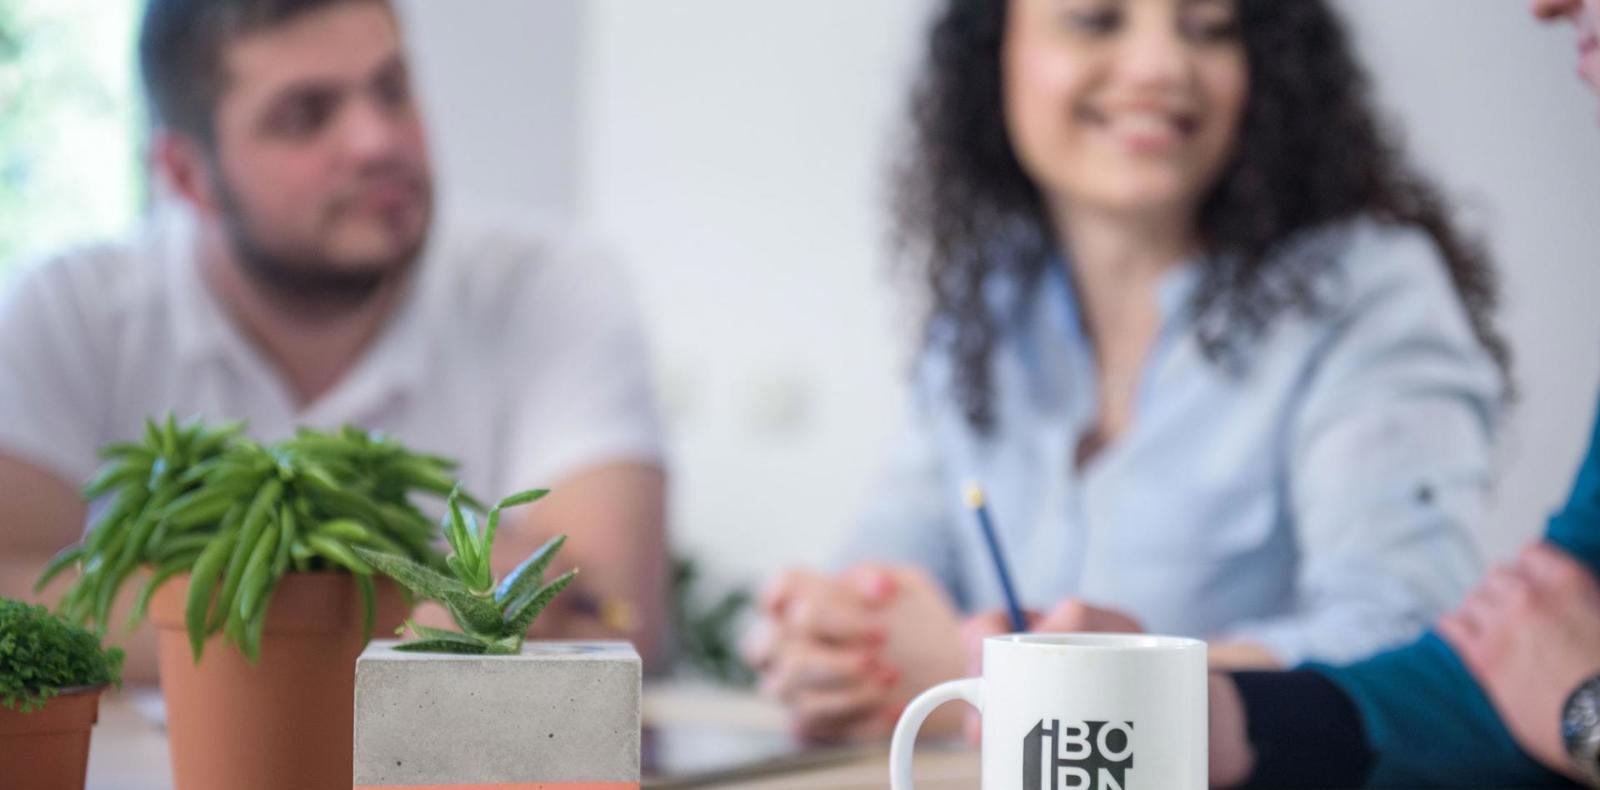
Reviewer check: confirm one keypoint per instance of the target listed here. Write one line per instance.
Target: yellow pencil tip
(619, 615)
(973, 495)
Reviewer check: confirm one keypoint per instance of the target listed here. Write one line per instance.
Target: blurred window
(71, 124)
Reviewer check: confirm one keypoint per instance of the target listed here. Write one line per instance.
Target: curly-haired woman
(1219, 357)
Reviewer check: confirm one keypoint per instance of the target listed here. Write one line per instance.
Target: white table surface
(129, 749)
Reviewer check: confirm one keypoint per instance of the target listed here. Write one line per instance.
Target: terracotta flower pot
(286, 721)
(48, 749)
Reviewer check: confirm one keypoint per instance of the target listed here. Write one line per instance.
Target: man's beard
(304, 280)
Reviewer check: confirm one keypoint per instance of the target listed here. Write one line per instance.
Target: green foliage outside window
(70, 124)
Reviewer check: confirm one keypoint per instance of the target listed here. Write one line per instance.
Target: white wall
(499, 80)
(735, 151)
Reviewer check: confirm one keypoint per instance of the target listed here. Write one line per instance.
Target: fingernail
(883, 587)
(877, 586)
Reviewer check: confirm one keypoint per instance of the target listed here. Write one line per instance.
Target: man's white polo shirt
(516, 351)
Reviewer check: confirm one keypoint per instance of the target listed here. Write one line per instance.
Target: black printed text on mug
(1081, 755)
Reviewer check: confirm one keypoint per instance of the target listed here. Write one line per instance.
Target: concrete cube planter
(560, 716)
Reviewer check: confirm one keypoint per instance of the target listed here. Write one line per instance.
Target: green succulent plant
(237, 515)
(493, 617)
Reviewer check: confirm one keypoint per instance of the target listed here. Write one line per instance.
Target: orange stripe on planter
(514, 786)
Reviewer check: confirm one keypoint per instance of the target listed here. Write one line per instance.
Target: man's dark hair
(181, 43)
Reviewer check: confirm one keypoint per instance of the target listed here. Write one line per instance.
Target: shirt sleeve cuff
(1304, 731)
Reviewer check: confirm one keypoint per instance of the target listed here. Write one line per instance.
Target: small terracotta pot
(48, 749)
(286, 721)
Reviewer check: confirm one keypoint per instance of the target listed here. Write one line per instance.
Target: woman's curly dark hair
(1311, 152)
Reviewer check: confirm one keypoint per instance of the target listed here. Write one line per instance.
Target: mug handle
(969, 690)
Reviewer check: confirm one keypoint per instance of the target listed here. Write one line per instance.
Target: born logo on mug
(1083, 755)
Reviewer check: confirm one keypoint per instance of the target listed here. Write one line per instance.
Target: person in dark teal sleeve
(1505, 692)
(1429, 722)
(1427, 719)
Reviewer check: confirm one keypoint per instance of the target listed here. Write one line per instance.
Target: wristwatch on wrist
(1580, 729)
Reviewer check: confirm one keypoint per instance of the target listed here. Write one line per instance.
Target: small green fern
(41, 654)
(493, 617)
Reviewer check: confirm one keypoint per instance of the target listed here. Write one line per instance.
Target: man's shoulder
(102, 277)
(500, 260)
(508, 244)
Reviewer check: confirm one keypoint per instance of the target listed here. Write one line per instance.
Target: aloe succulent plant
(493, 617)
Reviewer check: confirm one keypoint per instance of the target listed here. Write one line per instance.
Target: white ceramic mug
(1079, 712)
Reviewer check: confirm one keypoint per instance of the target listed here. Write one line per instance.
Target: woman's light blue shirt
(1317, 501)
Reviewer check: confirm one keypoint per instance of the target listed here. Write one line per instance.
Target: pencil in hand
(974, 498)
